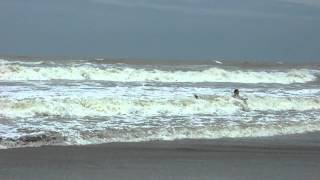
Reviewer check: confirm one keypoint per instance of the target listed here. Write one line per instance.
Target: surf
(21, 72)
(123, 106)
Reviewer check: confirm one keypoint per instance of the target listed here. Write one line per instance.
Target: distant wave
(82, 107)
(22, 72)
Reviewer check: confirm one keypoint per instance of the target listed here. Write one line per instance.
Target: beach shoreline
(279, 157)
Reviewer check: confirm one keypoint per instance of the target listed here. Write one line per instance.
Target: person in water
(236, 94)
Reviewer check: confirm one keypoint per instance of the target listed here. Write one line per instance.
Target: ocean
(94, 101)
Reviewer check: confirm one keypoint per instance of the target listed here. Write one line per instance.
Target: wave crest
(129, 74)
(81, 107)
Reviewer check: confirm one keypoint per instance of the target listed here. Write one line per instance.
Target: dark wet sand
(294, 157)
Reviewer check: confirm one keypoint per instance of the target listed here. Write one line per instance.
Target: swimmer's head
(236, 92)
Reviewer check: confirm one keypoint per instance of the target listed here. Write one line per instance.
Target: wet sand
(292, 157)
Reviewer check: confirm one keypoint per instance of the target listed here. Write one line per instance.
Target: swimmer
(236, 94)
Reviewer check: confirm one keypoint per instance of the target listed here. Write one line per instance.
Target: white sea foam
(80, 135)
(129, 74)
(115, 106)
(218, 62)
(6, 62)
(35, 113)
(210, 132)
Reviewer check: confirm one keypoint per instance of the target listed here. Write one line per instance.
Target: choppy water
(89, 102)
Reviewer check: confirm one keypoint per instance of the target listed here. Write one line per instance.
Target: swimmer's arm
(243, 98)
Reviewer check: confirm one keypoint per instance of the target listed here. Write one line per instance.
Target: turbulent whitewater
(88, 102)
(88, 71)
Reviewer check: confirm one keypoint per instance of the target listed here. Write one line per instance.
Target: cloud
(186, 6)
(230, 8)
(200, 7)
(146, 4)
(305, 2)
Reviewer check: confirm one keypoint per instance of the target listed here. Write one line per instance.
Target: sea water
(74, 102)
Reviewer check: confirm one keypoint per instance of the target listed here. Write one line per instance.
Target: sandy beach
(280, 157)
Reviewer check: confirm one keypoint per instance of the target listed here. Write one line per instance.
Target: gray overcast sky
(192, 29)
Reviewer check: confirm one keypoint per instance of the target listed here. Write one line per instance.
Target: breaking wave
(92, 106)
(81, 111)
(18, 72)
(161, 133)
